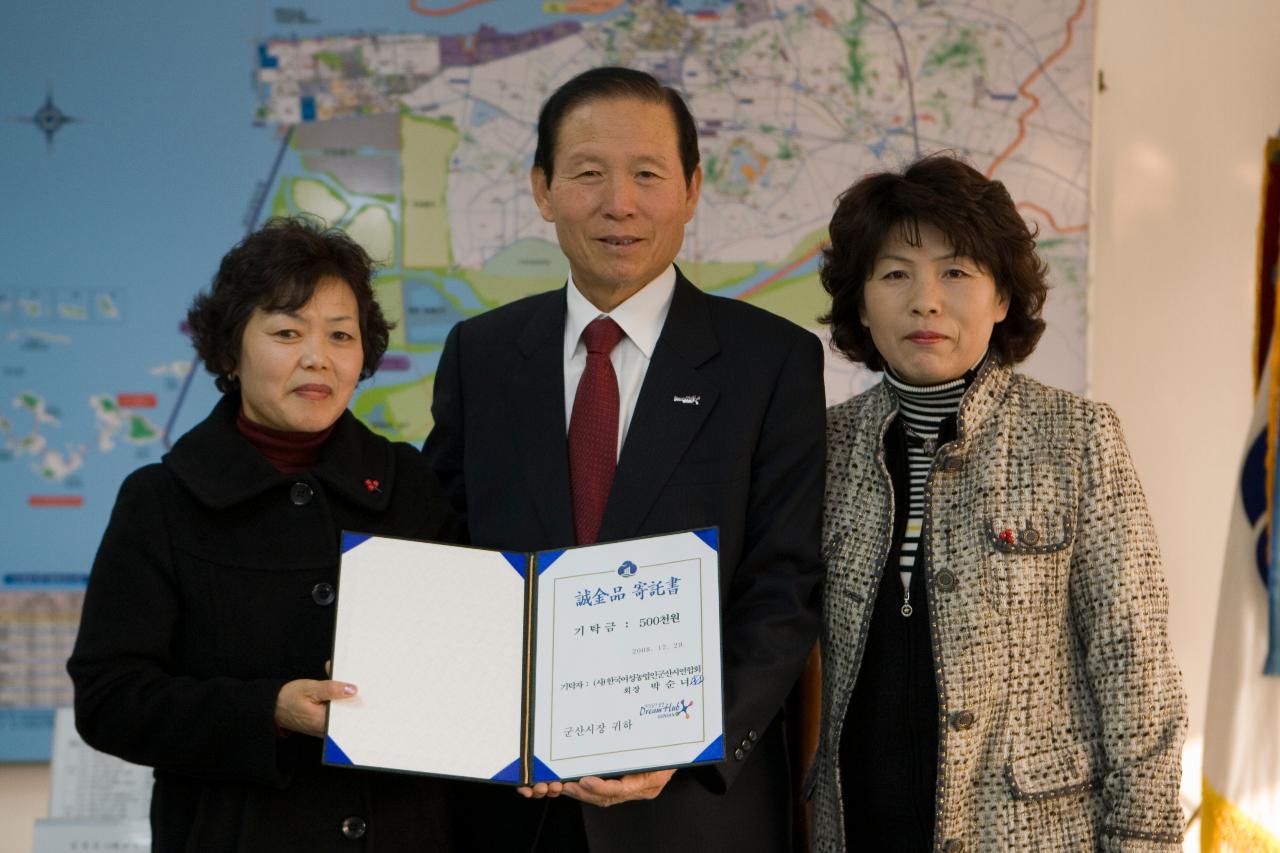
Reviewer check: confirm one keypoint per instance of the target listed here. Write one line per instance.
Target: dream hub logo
(665, 710)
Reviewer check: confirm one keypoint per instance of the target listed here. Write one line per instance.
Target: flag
(1240, 810)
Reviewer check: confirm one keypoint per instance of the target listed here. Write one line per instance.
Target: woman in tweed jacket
(996, 665)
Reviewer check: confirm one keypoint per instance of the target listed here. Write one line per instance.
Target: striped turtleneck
(922, 411)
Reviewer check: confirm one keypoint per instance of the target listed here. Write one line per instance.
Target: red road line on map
(417, 6)
(1035, 105)
(136, 401)
(1053, 223)
(782, 273)
(55, 500)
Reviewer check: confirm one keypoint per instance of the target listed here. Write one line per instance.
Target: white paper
(628, 656)
(432, 637)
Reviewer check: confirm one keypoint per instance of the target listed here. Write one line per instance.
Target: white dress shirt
(641, 318)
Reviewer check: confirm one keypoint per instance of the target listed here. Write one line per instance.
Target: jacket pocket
(1068, 769)
(1045, 534)
(1026, 560)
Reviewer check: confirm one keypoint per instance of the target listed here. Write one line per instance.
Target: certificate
(521, 668)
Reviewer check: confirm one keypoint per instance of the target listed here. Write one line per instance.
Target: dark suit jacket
(747, 457)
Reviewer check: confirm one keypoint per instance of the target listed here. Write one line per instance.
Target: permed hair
(277, 268)
(975, 214)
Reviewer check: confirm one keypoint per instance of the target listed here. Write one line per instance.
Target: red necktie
(593, 430)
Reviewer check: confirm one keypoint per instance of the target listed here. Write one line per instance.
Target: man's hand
(610, 792)
(300, 705)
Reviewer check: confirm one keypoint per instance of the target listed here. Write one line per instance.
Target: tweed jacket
(1061, 712)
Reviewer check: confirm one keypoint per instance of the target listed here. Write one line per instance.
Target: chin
(314, 422)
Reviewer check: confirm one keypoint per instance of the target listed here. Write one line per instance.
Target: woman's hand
(300, 705)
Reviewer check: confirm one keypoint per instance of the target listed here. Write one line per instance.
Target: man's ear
(541, 193)
(693, 191)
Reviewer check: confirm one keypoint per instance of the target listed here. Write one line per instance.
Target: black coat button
(1030, 536)
(945, 580)
(961, 720)
(354, 827)
(953, 845)
(739, 753)
(753, 735)
(323, 594)
(301, 494)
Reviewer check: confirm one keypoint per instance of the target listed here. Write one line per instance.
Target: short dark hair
(277, 268)
(979, 220)
(614, 82)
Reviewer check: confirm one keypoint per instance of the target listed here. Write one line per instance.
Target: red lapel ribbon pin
(372, 486)
(1006, 536)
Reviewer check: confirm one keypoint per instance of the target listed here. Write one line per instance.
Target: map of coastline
(453, 117)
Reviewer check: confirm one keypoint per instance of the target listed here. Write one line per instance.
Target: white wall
(24, 791)
(1193, 90)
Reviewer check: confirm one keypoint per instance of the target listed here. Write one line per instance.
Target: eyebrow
(296, 316)
(953, 256)
(599, 158)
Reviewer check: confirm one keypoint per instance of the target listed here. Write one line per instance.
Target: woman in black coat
(208, 619)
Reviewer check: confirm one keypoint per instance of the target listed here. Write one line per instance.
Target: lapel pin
(688, 399)
(372, 486)
(1006, 536)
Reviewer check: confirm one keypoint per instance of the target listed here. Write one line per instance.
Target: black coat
(213, 587)
(748, 457)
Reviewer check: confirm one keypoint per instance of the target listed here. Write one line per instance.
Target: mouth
(926, 337)
(618, 242)
(314, 392)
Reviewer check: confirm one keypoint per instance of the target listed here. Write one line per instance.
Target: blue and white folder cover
(520, 668)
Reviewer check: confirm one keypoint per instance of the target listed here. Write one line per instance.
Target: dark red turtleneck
(288, 452)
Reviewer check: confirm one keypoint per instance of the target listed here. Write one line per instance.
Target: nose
(619, 199)
(315, 352)
(926, 296)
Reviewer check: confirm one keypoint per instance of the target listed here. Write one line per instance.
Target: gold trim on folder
(526, 734)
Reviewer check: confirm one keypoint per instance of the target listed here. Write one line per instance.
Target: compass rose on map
(48, 119)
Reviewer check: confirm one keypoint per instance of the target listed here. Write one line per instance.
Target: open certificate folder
(521, 668)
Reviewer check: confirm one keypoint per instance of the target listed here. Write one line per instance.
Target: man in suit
(629, 403)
